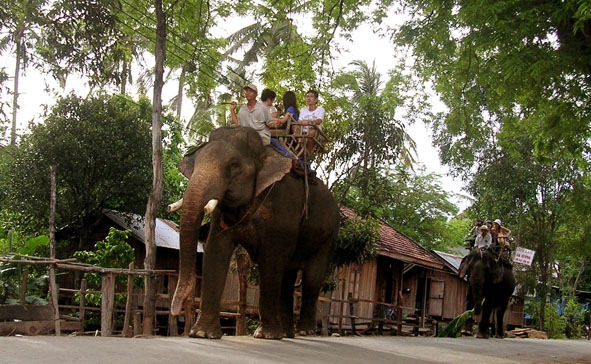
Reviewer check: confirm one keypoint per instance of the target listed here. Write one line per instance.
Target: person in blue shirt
(291, 110)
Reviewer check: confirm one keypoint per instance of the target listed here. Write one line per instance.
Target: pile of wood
(528, 332)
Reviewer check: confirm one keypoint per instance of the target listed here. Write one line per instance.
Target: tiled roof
(396, 245)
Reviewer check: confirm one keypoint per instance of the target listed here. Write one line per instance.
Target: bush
(554, 324)
(574, 318)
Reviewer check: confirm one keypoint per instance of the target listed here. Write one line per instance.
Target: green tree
(412, 202)
(532, 193)
(101, 148)
(491, 61)
(87, 37)
(514, 77)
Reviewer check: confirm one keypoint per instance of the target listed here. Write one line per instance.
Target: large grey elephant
(285, 224)
(491, 285)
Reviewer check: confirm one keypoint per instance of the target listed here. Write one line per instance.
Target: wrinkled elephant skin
(491, 284)
(282, 231)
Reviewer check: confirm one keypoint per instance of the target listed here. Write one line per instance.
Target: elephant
(490, 286)
(287, 223)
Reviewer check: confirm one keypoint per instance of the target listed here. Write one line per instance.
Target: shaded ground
(382, 349)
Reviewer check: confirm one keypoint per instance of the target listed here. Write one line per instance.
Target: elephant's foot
(466, 333)
(307, 332)
(263, 333)
(501, 336)
(206, 331)
(481, 335)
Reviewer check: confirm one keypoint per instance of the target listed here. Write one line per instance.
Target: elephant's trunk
(195, 206)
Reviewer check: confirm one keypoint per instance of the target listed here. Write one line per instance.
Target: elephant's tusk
(208, 209)
(175, 206)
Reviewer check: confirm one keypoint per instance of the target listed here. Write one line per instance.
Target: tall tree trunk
(179, 101)
(54, 289)
(578, 278)
(158, 184)
(18, 38)
(124, 71)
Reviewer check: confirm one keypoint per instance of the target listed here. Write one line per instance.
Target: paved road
(331, 350)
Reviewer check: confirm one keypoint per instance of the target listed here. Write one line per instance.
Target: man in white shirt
(311, 116)
(254, 114)
(484, 239)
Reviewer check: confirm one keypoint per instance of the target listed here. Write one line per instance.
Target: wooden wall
(454, 294)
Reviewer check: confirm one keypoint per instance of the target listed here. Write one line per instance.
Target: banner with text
(524, 256)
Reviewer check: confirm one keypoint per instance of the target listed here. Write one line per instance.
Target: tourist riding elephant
(491, 280)
(286, 223)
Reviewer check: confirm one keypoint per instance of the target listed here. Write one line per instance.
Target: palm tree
(371, 138)
(20, 19)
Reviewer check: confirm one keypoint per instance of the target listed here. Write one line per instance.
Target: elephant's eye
(233, 167)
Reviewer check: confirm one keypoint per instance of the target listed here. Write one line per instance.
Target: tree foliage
(357, 241)
(101, 149)
(494, 61)
(515, 78)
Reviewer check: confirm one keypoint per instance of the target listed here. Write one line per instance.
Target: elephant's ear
(274, 168)
(187, 164)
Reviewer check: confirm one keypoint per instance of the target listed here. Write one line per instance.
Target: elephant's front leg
(271, 276)
(469, 324)
(312, 280)
(216, 260)
(500, 324)
(484, 324)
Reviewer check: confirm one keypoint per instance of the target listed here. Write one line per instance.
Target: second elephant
(491, 285)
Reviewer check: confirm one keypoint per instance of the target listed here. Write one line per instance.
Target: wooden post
(82, 307)
(52, 283)
(352, 316)
(107, 303)
(399, 314)
(173, 329)
(242, 270)
(24, 279)
(137, 323)
(127, 328)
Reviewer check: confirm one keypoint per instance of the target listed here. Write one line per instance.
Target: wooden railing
(295, 142)
(359, 325)
(40, 319)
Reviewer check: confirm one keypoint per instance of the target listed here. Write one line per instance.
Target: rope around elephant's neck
(251, 211)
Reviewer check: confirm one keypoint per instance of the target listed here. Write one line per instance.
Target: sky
(366, 46)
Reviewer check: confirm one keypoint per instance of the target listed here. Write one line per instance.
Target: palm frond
(454, 328)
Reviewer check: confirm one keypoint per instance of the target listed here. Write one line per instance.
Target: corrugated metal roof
(452, 260)
(166, 232)
(396, 245)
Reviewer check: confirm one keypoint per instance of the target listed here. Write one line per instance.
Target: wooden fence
(34, 320)
(41, 319)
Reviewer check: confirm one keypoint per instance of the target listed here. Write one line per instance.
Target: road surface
(330, 350)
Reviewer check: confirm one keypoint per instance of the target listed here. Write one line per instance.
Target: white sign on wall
(524, 256)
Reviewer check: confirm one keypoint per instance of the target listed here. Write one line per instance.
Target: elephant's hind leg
(500, 324)
(287, 290)
(311, 285)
